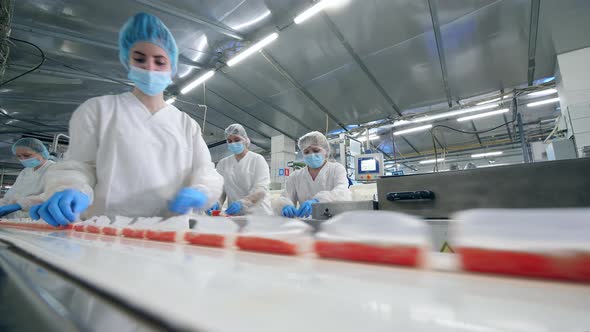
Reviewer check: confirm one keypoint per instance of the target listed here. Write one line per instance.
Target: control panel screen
(368, 165)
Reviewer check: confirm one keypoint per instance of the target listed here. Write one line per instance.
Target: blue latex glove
(62, 208)
(215, 207)
(186, 199)
(234, 208)
(305, 208)
(8, 209)
(289, 211)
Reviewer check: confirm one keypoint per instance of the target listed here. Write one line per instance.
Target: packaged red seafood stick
(374, 236)
(138, 228)
(168, 230)
(29, 224)
(95, 224)
(117, 226)
(540, 243)
(212, 232)
(275, 235)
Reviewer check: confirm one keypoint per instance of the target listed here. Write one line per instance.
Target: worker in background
(26, 190)
(246, 176)
(133, 154)
(321, 181)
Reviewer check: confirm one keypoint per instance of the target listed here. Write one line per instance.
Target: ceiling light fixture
(482, 115)
(454, 113)
(542, 93)
(431, 161)
(487, 154)
(489, 101)
(412, 130)
(313, 10)
(543, 102)
(198, 81)
(170, 101)
(253, 49)
(364, 138)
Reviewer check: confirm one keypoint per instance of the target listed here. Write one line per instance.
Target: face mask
(314, 160)
(31, 162)
(236, 148)
(150, 82)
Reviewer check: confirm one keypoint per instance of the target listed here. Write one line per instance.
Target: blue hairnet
(144, 27)
(33, 144)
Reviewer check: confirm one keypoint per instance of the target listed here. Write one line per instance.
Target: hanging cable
(204, 104)
(41, 53)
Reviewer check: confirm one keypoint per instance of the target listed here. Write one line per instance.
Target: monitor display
(368, 165)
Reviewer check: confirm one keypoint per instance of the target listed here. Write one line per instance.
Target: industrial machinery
(368, 167)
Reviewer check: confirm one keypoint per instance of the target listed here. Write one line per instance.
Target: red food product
(210, 240)
(255, 243)
(134, 233)
(389, 254)
(109, 230)
(93, 229)
(79, 227)
(164, 236)
(566, 266)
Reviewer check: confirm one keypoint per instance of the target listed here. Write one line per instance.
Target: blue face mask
(314, 160)
(236, 148)
(150, 82)
(31, 162)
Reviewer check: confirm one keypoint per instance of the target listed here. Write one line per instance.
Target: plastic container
(168, 230)
(138, 228)
(117, 226)
(212, 232)
(374, 236)
(541, 243)
(275, 235)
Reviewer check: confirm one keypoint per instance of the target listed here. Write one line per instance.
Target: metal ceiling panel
(309, 50)
(349, 93)
(262, 78)
(373, 25)
(487, 50)
(409, 72)
(301, 107)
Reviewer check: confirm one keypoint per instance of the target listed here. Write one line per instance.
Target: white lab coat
(140, 160)
(28, 187)
(330, 185)
(246, 181)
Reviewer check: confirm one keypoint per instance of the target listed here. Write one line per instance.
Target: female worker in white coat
(246, 176)
(133, 154)
(28, 187)
(321, 181)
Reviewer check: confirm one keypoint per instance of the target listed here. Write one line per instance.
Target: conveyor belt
(226, 290)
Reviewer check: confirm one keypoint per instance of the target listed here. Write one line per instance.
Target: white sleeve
(11, 195)
(204, 176)
(261, 183)
(340, 192)
(288, 196)
(79, 169)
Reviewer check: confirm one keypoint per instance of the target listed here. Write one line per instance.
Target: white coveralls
(246, 181)
(28, 188)
(140, 160)
(330, 185)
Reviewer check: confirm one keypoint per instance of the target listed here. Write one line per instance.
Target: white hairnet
(314, 138)
(237, 130)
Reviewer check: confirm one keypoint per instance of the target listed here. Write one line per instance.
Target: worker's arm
(204, 176)
(261, 184)
(11, 195)
(288, 197)
(340, 191)
(79, 170)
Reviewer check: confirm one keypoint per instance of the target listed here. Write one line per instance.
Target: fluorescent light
(253, 21)
(542, 93)
(364, 138)
(454, 113)
(313, 10)
(431, 161)
(486, 154)
(489, 101)
(492, 165)
(170, 101)
(411, 130)
(198, 81)
(482, 115)
(543, 102)
(253, 49)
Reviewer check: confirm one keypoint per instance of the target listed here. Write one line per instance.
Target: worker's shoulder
(97, 104)
(336, 166)
(256, 156)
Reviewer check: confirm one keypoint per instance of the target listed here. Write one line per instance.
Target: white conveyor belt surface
(228, 290)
